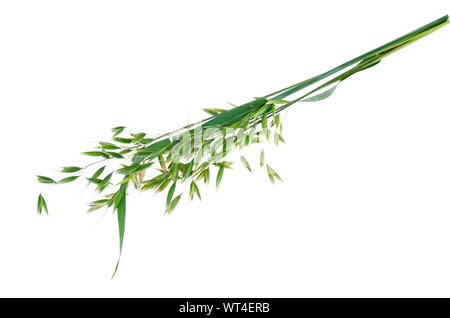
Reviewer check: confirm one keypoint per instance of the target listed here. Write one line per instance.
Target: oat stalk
(191, 154)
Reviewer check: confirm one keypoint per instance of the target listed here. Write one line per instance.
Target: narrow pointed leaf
(96, 154)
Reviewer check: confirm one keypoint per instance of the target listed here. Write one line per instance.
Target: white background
(364, 209)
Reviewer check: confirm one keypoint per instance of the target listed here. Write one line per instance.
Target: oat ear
(182, 158)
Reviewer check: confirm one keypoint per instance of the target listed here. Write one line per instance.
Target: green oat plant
(190, 155)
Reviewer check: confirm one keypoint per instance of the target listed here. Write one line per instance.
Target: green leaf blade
(121, 215)
(261, 159)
